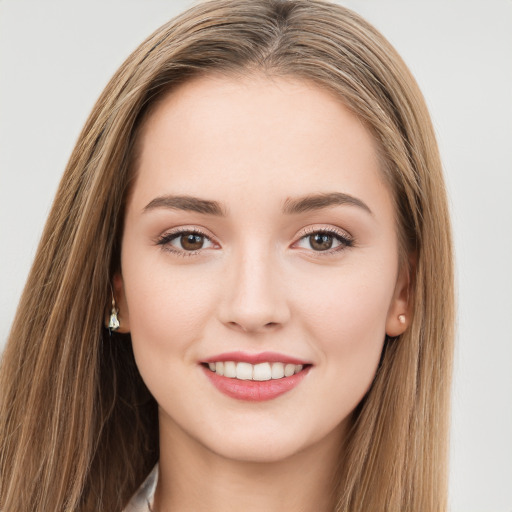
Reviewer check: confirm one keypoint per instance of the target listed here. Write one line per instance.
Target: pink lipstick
(255, 377)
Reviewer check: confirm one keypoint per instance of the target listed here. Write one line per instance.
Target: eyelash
(344, 240)
(166, 239)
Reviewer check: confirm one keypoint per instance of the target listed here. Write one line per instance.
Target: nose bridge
(254, 298)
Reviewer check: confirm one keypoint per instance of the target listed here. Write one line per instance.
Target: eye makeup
(321, 241)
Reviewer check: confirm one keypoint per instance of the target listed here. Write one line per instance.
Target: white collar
(142, 500)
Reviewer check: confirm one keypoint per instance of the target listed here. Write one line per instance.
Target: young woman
(243, 297)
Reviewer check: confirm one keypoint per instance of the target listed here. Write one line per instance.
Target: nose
(254, 298)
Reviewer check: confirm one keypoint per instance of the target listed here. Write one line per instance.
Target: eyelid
(345, 239)
(325, 229)
(164, 239)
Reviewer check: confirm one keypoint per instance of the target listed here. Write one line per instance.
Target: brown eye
(321, 241)
(185, 242)
(325, 241)
(191, 241)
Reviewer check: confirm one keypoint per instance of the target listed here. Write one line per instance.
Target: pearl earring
(113, 322)
(401, 319)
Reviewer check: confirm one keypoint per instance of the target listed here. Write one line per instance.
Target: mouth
(255, 381)
(259, 372)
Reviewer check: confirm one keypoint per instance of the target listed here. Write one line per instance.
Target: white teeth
(244, 371)
(277, 370)
(257, 372)
(289, 370)
(230, 369)
(262, 371)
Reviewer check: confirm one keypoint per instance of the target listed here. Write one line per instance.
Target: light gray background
(56, 57)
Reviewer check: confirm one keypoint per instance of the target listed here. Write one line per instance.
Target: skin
(258, 283)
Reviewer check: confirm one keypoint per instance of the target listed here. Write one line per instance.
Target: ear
(400, 309)
(122, 306)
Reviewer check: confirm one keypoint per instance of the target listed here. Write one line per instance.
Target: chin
(262, 450)
(271, 443)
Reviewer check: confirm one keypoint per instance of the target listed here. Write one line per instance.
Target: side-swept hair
(78, 428)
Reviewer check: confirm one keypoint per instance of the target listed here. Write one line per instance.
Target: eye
(185, 242)
(325, 240)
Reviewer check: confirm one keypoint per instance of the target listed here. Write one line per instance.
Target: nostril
(237, 325)
(252, 325)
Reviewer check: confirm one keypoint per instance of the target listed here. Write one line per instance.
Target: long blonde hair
(78, 428)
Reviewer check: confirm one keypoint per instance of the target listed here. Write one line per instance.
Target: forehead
(258, 136)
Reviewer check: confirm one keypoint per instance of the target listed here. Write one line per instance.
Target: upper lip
(261, 357)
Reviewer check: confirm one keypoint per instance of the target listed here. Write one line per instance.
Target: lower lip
(252, 390)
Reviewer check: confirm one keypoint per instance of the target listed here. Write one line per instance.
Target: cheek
(345, 317)
(348, 304)
(167, 309)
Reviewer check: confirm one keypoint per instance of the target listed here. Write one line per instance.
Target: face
(259, 241)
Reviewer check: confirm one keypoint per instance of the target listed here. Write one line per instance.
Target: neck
(192, 477)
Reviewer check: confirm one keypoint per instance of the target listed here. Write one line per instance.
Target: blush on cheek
(164, 324)
(352, 331)
(351, 317)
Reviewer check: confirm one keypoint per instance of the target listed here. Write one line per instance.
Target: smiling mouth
(264, 378)
(254, 372)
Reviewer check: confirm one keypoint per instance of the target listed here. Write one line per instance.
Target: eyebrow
(187, 203)
(291, 206)
(319, 201)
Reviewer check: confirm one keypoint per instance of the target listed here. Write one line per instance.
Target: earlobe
(120, 304)
(396, 325)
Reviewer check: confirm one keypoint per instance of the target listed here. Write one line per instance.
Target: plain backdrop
(56, 57)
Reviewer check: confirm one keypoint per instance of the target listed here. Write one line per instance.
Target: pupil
(321, 241)
(191, 241)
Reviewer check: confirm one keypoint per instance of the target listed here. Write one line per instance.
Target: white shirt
(142, 500)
